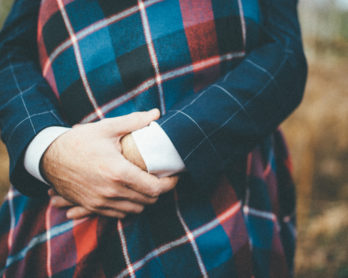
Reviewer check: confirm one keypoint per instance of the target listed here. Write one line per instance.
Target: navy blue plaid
(141, 51)
(225, 74)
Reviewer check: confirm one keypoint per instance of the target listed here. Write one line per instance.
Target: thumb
(131, 122)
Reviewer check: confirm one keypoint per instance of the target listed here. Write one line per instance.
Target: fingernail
(69, 215)
(154, 110)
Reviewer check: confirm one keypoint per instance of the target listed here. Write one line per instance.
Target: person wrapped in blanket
(143, 137)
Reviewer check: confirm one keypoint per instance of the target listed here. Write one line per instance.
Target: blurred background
(317, 135)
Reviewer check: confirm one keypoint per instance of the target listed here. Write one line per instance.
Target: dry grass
(318, 137)
(4, 169)
(322, 245)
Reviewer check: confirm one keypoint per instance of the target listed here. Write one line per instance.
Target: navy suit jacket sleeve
(26, 102)
(209, 130)
(224, 122)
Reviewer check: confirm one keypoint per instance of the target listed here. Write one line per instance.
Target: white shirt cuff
(37, 148)
(159, 153)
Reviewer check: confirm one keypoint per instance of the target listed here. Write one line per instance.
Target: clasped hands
(95, 168)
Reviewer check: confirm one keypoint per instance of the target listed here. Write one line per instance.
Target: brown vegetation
(318, 137)
(4, 183)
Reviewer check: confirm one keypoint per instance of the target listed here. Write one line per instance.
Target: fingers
(78, 213)
(168, 183)
(57, 200)
(131, 122)
(140, 181)
(138, 120)
(60, 202)
(111, 213)
(115, 209)
(125, 202)
(75, 212)
(51, 192)
(125, 207)
(122, 192)
(145, 183)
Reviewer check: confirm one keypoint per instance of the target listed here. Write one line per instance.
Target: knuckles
(153, 192)
(111, 192)
(120, 215)
(152, 200)
(110, 174)
(136, 209)
(97, 204)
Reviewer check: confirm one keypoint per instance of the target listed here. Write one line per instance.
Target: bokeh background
(317, 134)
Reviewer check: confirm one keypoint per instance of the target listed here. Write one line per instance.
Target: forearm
(161, 156)
(27, 105)
(224, 122)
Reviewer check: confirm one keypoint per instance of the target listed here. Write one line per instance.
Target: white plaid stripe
(20, 91)
(165, 77)
(289, 221)
(204, 138)
(233, 210)
(39, 239)
(48, 239)
(242, 21)
(199, 127)
(12, 217)
(191, 239)
(152, 52)
(92, 29)
(125, 252)
(79, 60)
(232, 97)
(203, 64)
(8, 68)
(260, 68)
(259, 213)
(26, 119)
(14, 193)
(23, 92)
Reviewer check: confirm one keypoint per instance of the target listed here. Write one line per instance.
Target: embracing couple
(197, 185)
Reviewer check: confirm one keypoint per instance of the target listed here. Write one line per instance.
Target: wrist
(37, 148)
(130, 151)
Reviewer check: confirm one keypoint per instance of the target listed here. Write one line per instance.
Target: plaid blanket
(213, 234)
(107, 58)
(111, 59)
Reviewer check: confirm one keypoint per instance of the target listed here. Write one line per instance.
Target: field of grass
(318, 137)
(4, 183)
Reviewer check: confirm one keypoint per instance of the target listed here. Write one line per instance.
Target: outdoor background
(318, 137)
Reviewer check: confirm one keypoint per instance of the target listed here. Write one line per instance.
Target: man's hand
(86, 167)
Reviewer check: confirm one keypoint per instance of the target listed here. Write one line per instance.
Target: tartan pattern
(140, 63)
(232, 215)
(226, 237)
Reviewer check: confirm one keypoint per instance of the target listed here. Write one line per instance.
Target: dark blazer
(225, 74)
(249, 98)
